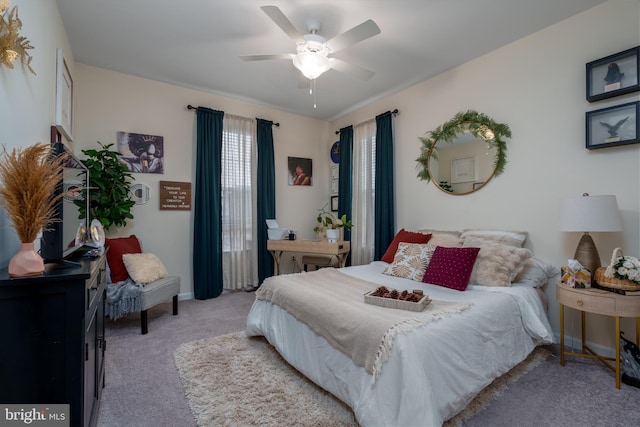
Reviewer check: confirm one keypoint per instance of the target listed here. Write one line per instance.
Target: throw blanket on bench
(331, 303)
(122, 298)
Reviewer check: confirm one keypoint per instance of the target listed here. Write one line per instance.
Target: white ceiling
(196, 43)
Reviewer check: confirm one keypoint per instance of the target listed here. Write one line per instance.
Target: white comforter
(433, 372)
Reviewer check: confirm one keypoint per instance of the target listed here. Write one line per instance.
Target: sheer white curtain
(239, 255)
(364, 164)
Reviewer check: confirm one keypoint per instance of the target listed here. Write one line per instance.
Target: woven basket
(604, 276)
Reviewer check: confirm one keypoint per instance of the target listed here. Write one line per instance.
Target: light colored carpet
(237, 380)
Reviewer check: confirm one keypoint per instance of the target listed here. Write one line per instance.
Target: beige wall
(108, 102)
(27, 101)
(537, 86)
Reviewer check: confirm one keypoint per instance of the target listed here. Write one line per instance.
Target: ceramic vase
(26, 262)
(332, 235)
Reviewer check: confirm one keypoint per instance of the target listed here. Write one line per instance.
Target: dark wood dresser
(52, 338)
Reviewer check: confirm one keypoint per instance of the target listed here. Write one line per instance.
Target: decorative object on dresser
(613, 75)
(29, 179)
(589, 214)
(613, 126)
(55, 326)
(460, 163)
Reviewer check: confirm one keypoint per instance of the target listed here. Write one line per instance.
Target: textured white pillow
(496, 264)
(536, 273)
(410, 261)
(144, 268)
(513, 238)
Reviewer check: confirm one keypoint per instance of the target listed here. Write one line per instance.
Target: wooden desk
(276, 247)
(597, 301)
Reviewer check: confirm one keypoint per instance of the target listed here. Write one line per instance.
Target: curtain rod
(191, 107)
(394, 112)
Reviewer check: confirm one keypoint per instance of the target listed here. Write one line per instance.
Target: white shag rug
(235, 380)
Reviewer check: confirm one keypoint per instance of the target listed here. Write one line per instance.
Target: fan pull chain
(315, 94)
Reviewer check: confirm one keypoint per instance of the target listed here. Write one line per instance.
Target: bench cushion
(158, 291)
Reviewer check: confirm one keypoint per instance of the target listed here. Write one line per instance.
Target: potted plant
(109, 188)
(331, 224)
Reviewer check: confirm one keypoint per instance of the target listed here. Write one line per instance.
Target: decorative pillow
(117, 248)
(497, 264)
(536, 273)
(144, 268)
(437, 233)
(451, 267)
(446, 241)
(513, 238)
(410, 261)
(403, 236)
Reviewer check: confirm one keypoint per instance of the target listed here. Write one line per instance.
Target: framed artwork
(141, 153)
(300, 171)
(612, 126)
(64, 97)
(334, 203)
(463, 170)
(613, 75)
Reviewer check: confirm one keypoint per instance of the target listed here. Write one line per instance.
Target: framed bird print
(613, 75)
(613, 126)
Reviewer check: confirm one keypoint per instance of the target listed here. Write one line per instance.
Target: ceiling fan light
(312, 65)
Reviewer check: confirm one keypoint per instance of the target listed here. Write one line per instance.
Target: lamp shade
(590, 213)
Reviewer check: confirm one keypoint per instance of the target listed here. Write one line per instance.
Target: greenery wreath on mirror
(110, 186)
(478, 124)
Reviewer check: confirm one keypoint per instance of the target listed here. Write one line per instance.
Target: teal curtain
(345, 179)
(384, 198)
(266, 195)
(207, 228)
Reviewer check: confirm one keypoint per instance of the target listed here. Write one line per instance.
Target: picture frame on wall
(463, 170)
(334, 203)
(613, 126)
(64, 96)
(613, 75)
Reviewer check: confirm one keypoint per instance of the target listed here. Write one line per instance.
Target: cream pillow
(144, 268)
(496, 264)
(410, 261)
(447, 241)
(513, 238)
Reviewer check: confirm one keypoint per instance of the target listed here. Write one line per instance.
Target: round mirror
(463, 154)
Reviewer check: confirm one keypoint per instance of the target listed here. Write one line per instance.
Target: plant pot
(332, 235)
(26, 262)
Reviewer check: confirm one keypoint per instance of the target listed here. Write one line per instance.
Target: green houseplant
(109, 188)
(328, 221)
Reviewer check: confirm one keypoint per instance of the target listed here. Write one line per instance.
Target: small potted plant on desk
(332, 225)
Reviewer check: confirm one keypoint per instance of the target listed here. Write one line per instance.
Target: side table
(597, 301)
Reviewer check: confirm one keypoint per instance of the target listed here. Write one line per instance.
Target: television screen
(68, 233)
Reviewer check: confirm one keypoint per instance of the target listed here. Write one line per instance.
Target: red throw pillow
(403, 237)
(451, 267)
(117, 248)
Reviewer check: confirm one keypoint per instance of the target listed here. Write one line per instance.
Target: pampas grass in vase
(28, 180)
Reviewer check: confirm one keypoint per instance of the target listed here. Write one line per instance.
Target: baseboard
(577, 345)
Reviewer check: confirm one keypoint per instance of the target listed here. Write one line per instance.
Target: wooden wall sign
(175, 195)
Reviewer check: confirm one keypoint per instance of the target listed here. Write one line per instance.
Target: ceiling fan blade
(283, 22)
(266, 57)
(356, 34)
(352, 70)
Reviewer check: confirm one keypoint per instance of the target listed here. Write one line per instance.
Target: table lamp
(589, 214)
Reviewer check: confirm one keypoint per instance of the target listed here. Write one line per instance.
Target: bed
(432, 370)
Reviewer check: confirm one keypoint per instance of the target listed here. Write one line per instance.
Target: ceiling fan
(313, 50)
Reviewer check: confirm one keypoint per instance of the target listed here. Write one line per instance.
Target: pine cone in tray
(384, 292)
